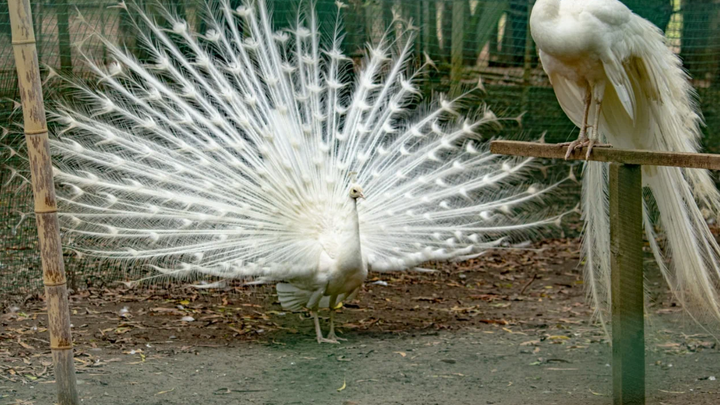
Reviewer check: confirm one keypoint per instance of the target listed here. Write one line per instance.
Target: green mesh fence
(466, 39)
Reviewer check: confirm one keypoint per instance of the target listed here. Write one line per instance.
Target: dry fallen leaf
(165, 392)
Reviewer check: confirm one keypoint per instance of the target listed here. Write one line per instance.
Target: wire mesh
(466, 40)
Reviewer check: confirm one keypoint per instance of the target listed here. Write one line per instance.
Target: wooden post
(626, 242)
(36, 136)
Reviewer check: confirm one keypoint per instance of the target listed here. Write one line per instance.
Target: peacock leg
(318, 332)
(331, 335)
(582, 138)
(598, 93)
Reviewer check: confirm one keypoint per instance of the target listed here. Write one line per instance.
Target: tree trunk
(447, 21)
(355, 35)
(38, 17)
(387, 18)
(458, 41)
(657, 12)
(695, 47)
(413, 11)
(63, 27)
(470, 48)
(430, 30)
(513, 46)
(494, 41)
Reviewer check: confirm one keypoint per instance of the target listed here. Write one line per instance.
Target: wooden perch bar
(605, 154)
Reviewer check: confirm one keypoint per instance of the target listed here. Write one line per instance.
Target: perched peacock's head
(356, 192)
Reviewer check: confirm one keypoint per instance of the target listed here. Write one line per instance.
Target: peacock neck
(355, 221)
(351, 259)
(545, 10)
(545, 28)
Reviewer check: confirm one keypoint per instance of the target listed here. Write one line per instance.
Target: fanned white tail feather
(296, 299)
(230, 152)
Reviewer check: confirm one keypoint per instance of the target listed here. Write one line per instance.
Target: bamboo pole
(36, 136)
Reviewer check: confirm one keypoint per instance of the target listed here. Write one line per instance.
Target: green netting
(466, 39)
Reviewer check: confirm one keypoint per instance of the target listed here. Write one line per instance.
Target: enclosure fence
(467, 41)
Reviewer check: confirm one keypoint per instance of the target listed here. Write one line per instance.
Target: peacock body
(246, 152)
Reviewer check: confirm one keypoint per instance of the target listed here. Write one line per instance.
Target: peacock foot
(333, 336)
(328, 340)
(580, 143)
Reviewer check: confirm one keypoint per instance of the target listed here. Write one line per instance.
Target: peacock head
(356, 192)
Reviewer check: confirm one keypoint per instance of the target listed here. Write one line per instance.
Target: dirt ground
(510, 327)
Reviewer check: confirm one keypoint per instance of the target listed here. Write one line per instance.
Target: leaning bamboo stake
(36, 136)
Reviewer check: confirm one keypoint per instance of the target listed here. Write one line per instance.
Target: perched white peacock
(616, 79)
(245, 152)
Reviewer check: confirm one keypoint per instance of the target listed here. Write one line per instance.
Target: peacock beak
(361, 196)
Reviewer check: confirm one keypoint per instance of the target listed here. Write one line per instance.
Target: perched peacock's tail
(664, 118)
(596, 236)
(230, 152)
(695, 253)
